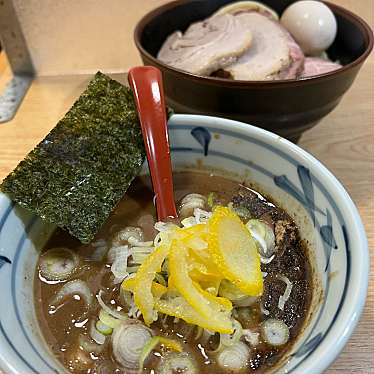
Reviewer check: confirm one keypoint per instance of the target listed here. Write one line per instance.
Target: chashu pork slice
(247, 6)
(315, 66)
(207, 46)
(272, 55)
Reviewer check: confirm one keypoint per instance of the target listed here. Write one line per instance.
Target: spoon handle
(146, 83)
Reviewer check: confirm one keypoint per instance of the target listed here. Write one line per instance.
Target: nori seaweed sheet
(79, 172)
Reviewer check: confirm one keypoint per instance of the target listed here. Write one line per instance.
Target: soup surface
(66, 318)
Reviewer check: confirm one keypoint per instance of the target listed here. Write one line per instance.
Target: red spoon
(146, 83)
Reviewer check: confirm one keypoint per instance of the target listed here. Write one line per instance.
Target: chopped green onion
(188, 221)
(139, 257)
(95, 334)
(228, 340)
(263, 235)
(58, 264)
(124, 235)
(275, 332)
(108, 320)
(119, 315)
(234, 357)
(189, 203)
(103, 328)
(128, 341)
(165, 267)
(211, 198)
(132, 269)
(160, 279)
(231, 292)
(231, 339)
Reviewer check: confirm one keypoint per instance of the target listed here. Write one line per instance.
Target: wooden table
(343, 141)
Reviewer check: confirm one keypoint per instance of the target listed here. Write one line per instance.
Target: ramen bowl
(327, 218)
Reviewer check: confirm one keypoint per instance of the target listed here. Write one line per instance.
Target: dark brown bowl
(287, 107)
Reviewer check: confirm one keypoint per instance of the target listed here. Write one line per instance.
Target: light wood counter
(343, 141)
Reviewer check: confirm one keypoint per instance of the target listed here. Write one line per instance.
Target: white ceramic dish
(309, 192)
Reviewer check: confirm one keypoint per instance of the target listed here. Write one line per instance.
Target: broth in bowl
(169, 297)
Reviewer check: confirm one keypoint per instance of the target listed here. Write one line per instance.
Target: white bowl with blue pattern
(310, 193)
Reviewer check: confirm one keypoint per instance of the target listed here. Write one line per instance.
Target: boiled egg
(312, 24)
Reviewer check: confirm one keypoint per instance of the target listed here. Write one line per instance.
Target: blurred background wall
(80, 36)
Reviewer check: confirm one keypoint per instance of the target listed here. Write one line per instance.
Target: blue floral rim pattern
(304, 194)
